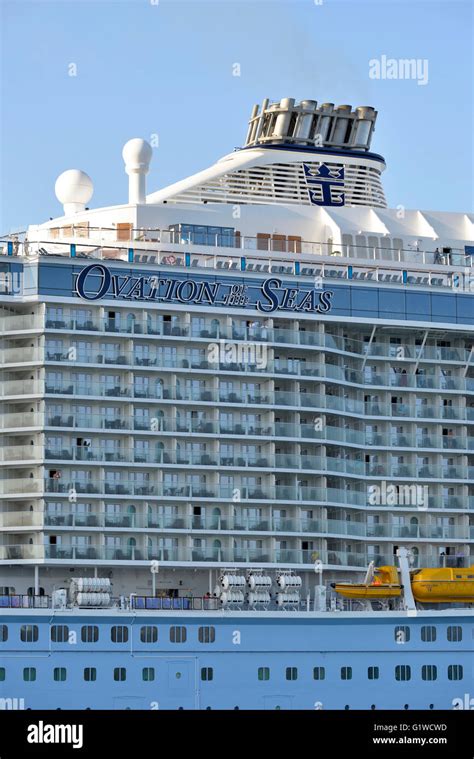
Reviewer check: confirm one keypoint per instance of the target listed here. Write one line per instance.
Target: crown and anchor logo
(325, 184)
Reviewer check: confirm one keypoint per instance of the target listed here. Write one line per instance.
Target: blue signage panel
(91, 282)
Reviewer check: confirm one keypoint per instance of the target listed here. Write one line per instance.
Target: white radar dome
(74, 189)
(137, 154)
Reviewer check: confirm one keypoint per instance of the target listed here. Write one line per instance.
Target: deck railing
(406, 266)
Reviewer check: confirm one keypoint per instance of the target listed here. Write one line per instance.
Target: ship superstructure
(258, 371)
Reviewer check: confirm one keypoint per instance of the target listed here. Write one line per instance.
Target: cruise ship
(237, 436)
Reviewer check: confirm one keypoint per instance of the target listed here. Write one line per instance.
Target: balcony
(415, 532)
(20, 421)
(238, 554)
(181, 489)
(21, 355)
(21, 519)
(21, 323)
(20, 453)
(347, 558)
(303, 400)
(14, 388)
(22, 552)
(240, 523)
(298, 367)
(17, 486)
(261, 333)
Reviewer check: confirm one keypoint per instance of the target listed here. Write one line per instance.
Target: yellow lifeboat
(385, 584)
(443, 585)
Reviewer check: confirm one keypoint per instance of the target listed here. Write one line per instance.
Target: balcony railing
(299, 367)
(239, 523)
(174, 248)
(264, 493)
(328, 464)
(20, 453)
(261, 333)
(310, 401)
(207, 426)
(21, 387)
(237, 554)
(13, 519)
(22, 552)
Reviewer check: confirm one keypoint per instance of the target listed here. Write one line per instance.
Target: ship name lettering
(96, 281)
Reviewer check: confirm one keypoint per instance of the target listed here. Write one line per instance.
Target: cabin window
(291, 673)
(149, 634)
(59, 633)
(454, 633)
(59, 674)
(178, 634)
(319, 673)
(120, 674)
(207, 634)
(346, 673)
(90, 674)
(119, 634)
(29, 674)
(2, 674)
(89, 634)
(207, 673)
(402, 672)
(373, 673)
(148, 674)
(455, 672)
(264, 673)
(29, 633)
(428, 634)
(429, 672)
(3, 633)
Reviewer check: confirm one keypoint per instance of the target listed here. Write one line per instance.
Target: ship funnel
(137, 155)
(286, 122)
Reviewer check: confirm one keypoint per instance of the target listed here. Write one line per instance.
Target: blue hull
(191, 660)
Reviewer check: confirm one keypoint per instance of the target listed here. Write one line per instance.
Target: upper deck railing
(448, 267)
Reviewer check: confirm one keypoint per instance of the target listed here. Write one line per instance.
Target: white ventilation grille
(284, 183)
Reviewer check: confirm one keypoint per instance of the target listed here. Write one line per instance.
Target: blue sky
(146, 67)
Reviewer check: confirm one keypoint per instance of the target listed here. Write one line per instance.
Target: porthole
(407, 706)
